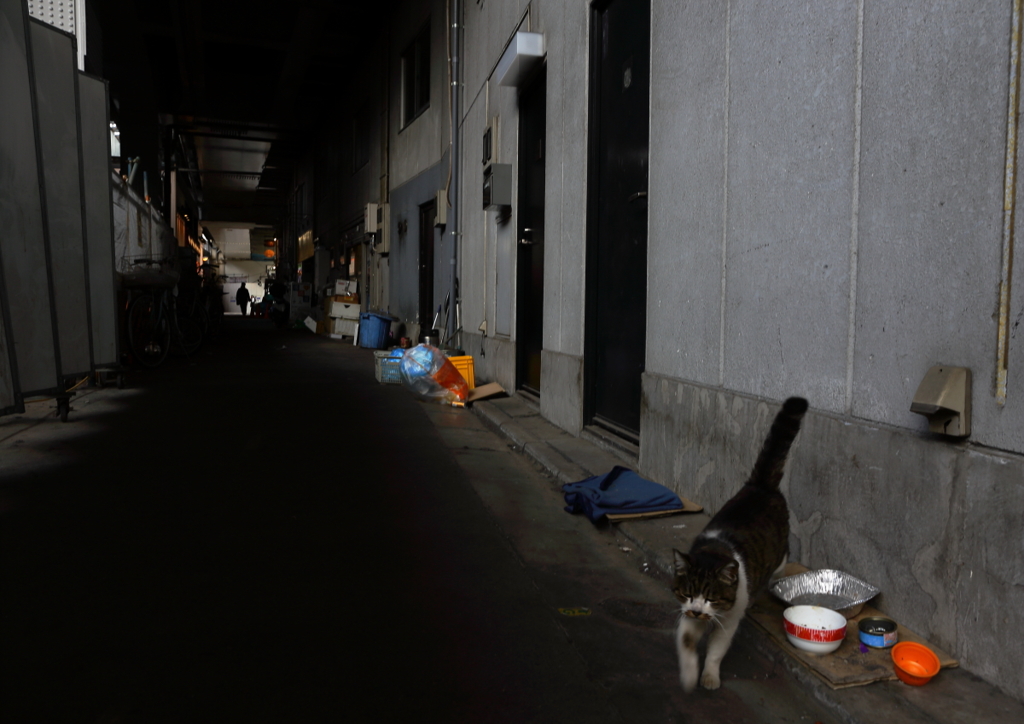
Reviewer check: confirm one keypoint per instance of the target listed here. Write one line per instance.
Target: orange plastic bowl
(915, 664)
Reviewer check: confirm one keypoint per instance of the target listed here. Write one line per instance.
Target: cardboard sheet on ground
(484, 391)
(846, 666)
(688, 507)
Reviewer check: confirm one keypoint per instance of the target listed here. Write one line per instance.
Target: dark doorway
(616, 322)
(426, 266)
(530, 246)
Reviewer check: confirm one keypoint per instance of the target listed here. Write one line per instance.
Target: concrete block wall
(933, 524)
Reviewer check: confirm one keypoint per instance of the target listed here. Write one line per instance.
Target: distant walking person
(242, 297)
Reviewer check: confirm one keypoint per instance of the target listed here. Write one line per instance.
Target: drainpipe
(1009, 199)
(453, 189)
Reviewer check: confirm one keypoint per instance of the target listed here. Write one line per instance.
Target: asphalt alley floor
(264, 533)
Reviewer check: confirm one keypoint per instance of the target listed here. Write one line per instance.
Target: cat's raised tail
(771, 462)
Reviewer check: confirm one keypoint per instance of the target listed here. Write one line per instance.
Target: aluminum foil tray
(827, 588)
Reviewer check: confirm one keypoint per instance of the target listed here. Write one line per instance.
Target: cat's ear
(729, 573)
(683, 563)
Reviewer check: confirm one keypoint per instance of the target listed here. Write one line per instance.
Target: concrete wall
(418, 145)
(487, 264)
(826, 220)
(826, 202)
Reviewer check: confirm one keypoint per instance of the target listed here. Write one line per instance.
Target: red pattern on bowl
(810, 634)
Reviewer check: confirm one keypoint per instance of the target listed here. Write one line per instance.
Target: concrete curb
(956, 697)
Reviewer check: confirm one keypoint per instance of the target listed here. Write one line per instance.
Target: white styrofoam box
(345, 286)
(344, 310)
(344, 327)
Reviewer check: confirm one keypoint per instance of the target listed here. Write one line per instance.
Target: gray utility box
(497, 186)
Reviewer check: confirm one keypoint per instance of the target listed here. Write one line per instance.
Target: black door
(530, 253)
(617, 244)
(426, 267)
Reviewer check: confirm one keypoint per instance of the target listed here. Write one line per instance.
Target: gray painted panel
(53, 60)
(934, 137)
(791, 139)
(23, 242)
(505, 241)
(405, 203)
(92, 94)
(687, 192)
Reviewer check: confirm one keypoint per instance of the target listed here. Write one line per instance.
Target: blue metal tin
(877, 632)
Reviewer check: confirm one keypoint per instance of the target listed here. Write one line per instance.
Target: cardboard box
(343, 327)
(343, 310)
(344, 287)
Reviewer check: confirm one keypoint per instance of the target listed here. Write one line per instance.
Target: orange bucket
(915, 664)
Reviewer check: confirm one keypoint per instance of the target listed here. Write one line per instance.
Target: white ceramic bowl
(813, 628)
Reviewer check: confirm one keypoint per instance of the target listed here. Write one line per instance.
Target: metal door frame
(529, 86)
(590, 322)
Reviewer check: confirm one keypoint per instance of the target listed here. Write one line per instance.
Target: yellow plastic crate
(464, 365)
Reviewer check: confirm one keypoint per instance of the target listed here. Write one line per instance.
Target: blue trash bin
(374, 330)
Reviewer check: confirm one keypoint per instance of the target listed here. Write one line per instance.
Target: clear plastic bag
(428, 374)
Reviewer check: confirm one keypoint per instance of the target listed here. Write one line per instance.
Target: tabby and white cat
(735, 557)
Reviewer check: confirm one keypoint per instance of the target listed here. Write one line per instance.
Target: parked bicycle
(155, 325)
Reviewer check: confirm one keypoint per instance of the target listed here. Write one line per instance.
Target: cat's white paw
(689, 681)
(710, 680)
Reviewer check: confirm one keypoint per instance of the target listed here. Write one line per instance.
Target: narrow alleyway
(265, 534)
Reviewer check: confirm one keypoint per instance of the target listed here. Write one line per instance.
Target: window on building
(416, 76)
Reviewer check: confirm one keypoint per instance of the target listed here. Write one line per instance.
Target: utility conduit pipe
(455, 160)
(1009, 194)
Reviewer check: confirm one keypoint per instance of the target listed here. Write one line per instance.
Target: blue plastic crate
(386, 368)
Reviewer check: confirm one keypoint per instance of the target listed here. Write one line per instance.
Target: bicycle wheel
(188, 336)
(149, 333)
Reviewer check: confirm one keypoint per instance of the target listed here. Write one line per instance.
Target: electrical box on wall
(441, 208)
(370, 218)
(382, 242)
(490, 154)
(497, 186)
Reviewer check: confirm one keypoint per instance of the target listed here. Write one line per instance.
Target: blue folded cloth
(616, 492)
